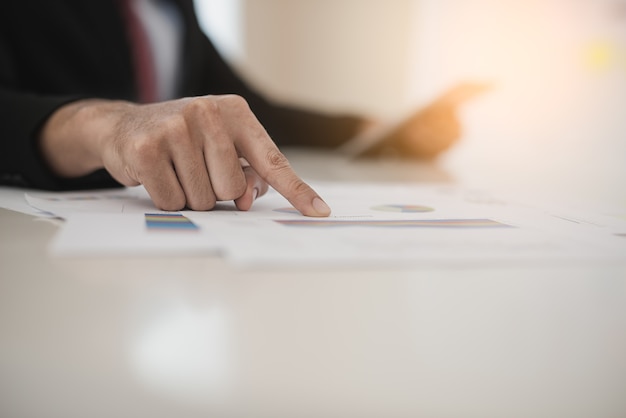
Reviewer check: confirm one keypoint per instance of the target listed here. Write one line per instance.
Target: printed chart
(390, 223)
(370, 224)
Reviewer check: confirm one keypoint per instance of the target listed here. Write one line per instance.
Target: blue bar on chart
(169, 222)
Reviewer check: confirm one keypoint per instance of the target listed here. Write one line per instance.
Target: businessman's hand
(188, 153)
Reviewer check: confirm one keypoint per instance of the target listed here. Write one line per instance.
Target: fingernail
(255, 194)
(320, 207)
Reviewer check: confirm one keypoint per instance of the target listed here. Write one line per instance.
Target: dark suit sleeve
(47, 57)
(22, 114)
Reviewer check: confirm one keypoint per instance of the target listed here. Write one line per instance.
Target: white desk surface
(194, 337)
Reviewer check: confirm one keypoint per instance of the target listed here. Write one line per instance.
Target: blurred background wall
(558, 69)
(332, 54)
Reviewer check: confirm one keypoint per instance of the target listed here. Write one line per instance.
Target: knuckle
(277, 161)
(202, 107)
(175, 126)
(171, 203)
(201, 204)
(231, 191)
(236, 102)
(278, 170)
(298, 186)
(239, 187)
(145, 150)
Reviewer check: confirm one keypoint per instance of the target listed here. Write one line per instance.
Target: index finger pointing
(255, 145)
(275, 169)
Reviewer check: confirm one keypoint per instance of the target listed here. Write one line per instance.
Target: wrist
(72, 139)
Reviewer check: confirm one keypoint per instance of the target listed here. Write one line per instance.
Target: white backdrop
(558, 69)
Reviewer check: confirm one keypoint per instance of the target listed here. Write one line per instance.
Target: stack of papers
(371, 224)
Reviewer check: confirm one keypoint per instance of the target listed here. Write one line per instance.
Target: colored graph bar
(403, 208)
(411, 223)
(169, 222)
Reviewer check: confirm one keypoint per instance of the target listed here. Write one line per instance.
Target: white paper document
(132, 234)
(387, 224)
(120, 222)
(371, 224)
(13, 198)
(64, 204)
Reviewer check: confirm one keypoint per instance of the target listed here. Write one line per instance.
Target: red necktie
(145, 75)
